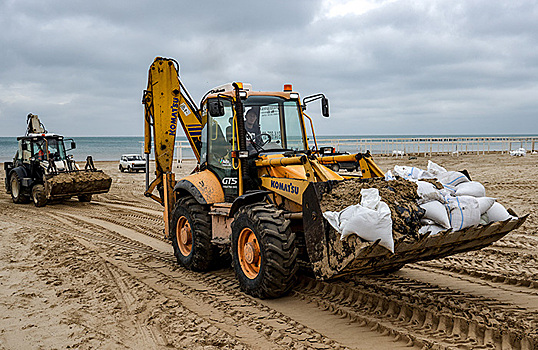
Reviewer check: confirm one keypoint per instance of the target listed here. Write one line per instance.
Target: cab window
(56, 149)
(217, 134)
(273, 123)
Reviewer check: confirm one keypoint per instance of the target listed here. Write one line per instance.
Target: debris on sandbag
(400, 195)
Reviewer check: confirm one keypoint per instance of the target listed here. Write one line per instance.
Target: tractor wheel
(335, 167)
(264, 252)
(85, 198)
(38, 195)
(191, 234)
(16, 190)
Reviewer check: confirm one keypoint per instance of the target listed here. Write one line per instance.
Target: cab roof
(33, 136)
(228, 90)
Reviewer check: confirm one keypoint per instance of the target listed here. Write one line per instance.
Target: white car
(132, 162)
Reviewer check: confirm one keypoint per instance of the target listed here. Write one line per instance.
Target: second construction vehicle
(260, 192)
(42, 170)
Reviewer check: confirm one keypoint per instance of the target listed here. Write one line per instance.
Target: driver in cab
(252, 127)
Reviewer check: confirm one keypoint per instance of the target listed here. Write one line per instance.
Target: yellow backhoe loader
(260, 191)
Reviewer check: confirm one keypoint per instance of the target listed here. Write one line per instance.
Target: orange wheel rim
(248, 250)
(184, 236)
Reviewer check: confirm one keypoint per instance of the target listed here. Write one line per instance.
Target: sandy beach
(99, 275)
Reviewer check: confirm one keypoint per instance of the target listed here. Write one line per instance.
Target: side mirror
(216, 108)
(324, 103)
(325, 107)
(73, 145)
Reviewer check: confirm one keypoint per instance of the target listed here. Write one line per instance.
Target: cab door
(216, 154)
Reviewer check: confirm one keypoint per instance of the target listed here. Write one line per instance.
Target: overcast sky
(387, 67)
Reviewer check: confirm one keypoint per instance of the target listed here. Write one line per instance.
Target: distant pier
(429, 146)
(410, 146)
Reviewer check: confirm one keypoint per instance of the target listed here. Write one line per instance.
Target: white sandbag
(427, 192)
(451, 178)
(425, 221)
(437, 212)
(519, 153)
(484, 219)
(484, 203)
(370, 198)
(471, 188)
(498, 212)
(432, 229)
(370, 220)
(464, 212)
(450, 190)
(447, 192)
(372, 225)
(408, 172)
(389, 176)
(338, 219)
(435, 169)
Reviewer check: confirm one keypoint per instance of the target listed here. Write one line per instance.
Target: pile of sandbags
(450, 199)
(521, 152)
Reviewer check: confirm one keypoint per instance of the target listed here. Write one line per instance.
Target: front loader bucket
(330, 257)
(77, 183)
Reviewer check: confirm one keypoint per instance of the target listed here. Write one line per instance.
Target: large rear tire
(264, 251)
(16, 190)
(191, 234)
(38, 195)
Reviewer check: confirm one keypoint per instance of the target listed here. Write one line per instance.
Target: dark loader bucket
(77, 183)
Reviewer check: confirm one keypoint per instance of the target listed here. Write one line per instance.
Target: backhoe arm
(166, 100)
(167, 103)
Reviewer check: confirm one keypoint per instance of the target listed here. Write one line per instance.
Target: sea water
(100, 148)
(110, 148)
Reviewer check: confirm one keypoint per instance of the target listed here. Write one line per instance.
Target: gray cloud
(403, 67)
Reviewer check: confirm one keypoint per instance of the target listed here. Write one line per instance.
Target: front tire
(335, 167)
(191, 234)
(16, 190)
(85, 198)
(38, 195)
(264, 251)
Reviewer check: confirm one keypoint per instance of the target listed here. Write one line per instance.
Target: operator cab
(43, 148)
(273, 124)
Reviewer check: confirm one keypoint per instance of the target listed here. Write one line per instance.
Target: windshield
(56, 150)
(134, 158)
(272, 123)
